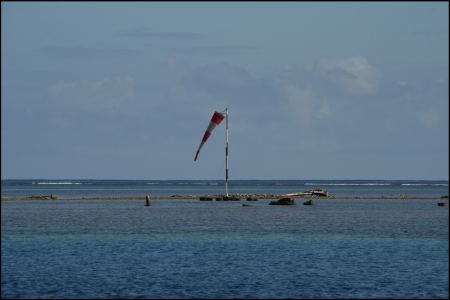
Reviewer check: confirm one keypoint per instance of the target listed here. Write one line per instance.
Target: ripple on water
(174, 249)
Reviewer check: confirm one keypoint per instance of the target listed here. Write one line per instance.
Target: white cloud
(107, 94)
(218, 78)
(402, 83)
(354, 74)
(429, 119)
(305, 105)
(171, 62)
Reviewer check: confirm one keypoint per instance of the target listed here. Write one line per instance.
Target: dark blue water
(337, 248)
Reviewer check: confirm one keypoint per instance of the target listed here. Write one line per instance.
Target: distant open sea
(336, 248)
(93, 188)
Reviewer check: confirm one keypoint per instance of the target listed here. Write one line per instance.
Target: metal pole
(226, 152)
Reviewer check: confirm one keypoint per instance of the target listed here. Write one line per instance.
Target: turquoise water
(194, 249)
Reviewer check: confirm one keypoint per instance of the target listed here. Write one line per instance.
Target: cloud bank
(105, 95)
(83, 53)
(354, 74)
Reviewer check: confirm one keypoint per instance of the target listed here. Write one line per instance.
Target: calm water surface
(197, 249)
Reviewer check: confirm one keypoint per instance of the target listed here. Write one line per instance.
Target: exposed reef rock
(283, 201)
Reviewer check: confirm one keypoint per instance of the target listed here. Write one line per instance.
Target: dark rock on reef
(227, 198)
(309, 202)
(283, 201)
(230, 198)
(49, 197)
(252, 199)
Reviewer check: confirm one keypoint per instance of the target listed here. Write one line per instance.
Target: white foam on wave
(425, 184)
(348, 184)
(57, 182)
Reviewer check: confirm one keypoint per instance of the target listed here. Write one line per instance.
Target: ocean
(93, 188)
(186, 248)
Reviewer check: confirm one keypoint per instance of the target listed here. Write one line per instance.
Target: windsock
(215, 120)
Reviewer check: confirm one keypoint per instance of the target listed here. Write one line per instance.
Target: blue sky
(119, 90)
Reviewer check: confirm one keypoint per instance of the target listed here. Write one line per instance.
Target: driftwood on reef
(49, 197)
(311, 193)
(255, 197)
(308, 195)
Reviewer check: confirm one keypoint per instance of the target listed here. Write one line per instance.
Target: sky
(125, 90)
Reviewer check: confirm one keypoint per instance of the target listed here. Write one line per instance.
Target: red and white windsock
(215, 120)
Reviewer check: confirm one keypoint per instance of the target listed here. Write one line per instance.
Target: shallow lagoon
(194, 249)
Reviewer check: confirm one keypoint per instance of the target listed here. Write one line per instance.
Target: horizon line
(221, 179)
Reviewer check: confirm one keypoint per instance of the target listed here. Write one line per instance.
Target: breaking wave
(425, 184)
(349, 184)
(68, 182)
